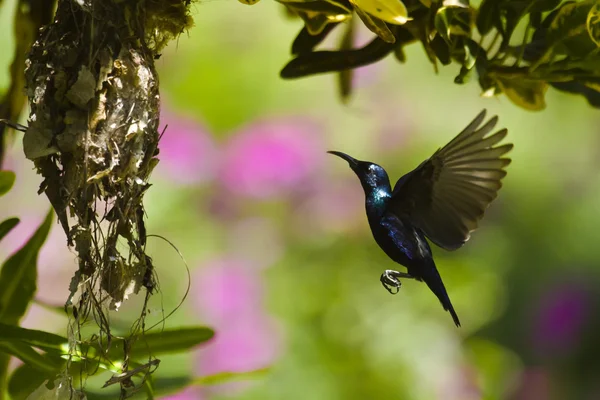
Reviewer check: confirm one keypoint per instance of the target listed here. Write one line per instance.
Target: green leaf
(568, 33)
(24, 380)
(165, 342)
(33, 337)
(538, 6)
(225, 377)
(318, 14)
(29, 356)
(528, 94)
(19, 275)
(390, 11)
(441, 50)
(7, 180)
(453, 21)
(593, 23)
(376, 26)
(319, 62)
(487, 15)
(7, 225)
(305, 42)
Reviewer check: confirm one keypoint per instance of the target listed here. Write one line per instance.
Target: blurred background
(283, 265)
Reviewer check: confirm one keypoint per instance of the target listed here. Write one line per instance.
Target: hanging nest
(93, 136)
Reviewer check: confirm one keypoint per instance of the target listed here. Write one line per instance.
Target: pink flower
(188, 154)
(271, 158)
(243, 345)
(247, 338)
(228, 287)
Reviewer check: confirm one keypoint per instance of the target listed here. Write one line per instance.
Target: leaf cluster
(515, 47)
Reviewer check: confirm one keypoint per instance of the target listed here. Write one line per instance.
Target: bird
(441, 200)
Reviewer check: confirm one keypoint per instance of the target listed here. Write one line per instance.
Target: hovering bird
(442, 200)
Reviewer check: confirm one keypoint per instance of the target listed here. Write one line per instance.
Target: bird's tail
(433, 279)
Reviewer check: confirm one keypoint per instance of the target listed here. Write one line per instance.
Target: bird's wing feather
(409, 243)
(447, 194)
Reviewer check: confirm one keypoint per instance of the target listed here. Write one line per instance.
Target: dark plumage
(442, 200)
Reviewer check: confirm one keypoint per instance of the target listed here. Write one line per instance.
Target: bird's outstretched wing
(447, 195)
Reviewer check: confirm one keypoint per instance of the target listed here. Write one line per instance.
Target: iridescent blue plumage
(442, 199)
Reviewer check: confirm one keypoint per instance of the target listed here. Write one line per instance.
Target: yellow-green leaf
(41, 362)
(42, 340)
(526, 93)
(391, 11)
(376, 26)
(317, 14)
(7, 180)
(593, 23)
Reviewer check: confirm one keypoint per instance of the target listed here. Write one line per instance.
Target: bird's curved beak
(352, 161)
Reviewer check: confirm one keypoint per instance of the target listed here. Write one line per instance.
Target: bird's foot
(389, 280)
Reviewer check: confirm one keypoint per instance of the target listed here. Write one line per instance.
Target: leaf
(41, 362)
(305, 42)
(18, 276)
(539, 6)
(488, 14)
(440, 49)
(24, 381)
(376, 26)
(7, 180)
(332, 10)
(225, 377)
(593, 23)
(319, 62)
(165, 342)
(525, 93)
(7, 225)
(318, 14)
(33, 337)
(568, 32)
(590, 90)
(453, 21)
(390, 11)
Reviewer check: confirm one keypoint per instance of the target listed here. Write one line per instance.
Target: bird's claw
(390, 281)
